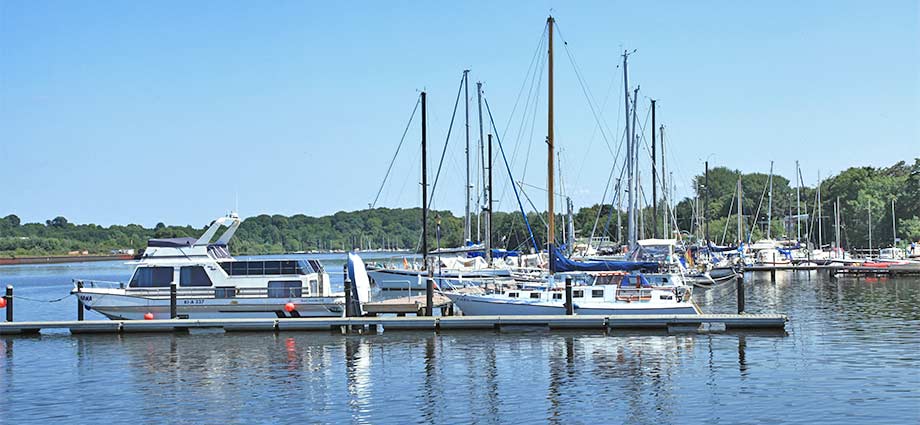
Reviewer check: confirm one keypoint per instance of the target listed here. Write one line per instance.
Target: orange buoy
(148, 316)
(289, 307)
(2, 302)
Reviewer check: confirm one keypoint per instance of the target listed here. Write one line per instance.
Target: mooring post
(79, 305)
(9, 303)
(173, 289)
(429, 293)
(349, 309)
(569, 305)
(740, 291)
(773, 273)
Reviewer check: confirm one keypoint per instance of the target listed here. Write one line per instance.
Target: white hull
(115, 305)
(478, 305)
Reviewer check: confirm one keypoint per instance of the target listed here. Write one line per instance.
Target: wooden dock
(408, 305)
(683, 323)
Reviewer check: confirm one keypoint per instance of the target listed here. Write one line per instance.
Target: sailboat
(451, 272)
(599, 287)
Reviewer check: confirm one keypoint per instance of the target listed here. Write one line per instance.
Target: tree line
(860, 190)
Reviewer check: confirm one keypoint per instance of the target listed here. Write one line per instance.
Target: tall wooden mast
(551, 219)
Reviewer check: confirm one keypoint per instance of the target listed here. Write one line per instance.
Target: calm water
(851, 354)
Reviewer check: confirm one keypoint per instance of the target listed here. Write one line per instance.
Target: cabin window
(285, 289)
(272, 267)
(193, 276)
(557, 296)
(512, 295)
(152, 277)
(534, 295)
(289, 267)
(225, 292)
(597, 293)
(255, 268)
(578, 294)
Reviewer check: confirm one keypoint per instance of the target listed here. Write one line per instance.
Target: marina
(426, 213)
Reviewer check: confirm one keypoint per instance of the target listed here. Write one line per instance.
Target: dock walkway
(684, 322)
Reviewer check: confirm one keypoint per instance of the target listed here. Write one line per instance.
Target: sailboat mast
(837, 221)
(482, 154)
(630, 226)
(551, 219)
(740, 212)
(706, 204)
(489, 208)
(634, 184)
(467, 222)
(869, 209)
(894, 229)
(770, 203)
(424, 181)
(820, 239)
(665, 227)
(798, 203)
(654, 179)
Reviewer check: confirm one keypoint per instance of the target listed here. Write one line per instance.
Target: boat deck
(683, 323)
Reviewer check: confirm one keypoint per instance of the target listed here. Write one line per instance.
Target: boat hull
(473, 305)
(130, 307)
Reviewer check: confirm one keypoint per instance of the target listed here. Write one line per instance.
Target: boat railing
(107, 284)
(210, 292)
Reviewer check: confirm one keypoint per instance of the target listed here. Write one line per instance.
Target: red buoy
(148, 316)
(2, 302)
(289, 307)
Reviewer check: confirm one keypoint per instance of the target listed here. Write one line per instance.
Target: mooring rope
(42, 301)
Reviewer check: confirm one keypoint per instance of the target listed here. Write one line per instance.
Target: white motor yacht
(210, 283)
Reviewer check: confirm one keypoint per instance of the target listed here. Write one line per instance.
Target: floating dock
(680, 322)
(857, 270)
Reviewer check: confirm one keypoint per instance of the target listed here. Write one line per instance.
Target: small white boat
(212, 284)
(635, 294)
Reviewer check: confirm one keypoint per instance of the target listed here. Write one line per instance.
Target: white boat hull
(116, 304)
(479, 305)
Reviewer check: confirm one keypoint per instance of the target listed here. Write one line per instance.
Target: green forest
(861, 191)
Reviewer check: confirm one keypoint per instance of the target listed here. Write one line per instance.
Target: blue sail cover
(714, 248)
(566, 265)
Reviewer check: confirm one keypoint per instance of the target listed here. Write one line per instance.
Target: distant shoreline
(64, 259)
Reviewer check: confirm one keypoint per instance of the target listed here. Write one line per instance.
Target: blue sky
(117, 112)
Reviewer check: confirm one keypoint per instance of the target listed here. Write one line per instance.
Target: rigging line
(450, 128)
(527, 77)
(533, 93)
(501, 149)
(600, 207)
(731, 207)
(584, 89)
(392, 161)
(757, 213)
(521, 185)
(584, 159)
(615, 198)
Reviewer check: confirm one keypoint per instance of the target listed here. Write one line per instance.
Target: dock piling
(429, 292)
(349, 308)
(739, 282)
(173, 289)
(773, 274)
(569, 306)
(79, 305)
(9, 303)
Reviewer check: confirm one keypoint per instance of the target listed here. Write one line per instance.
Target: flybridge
(189, 247)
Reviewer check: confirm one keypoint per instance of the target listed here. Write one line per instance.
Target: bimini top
(566, 265)
(172, 242)
(657, 242)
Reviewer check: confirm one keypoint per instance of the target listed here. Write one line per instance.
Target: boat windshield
(660, 253)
